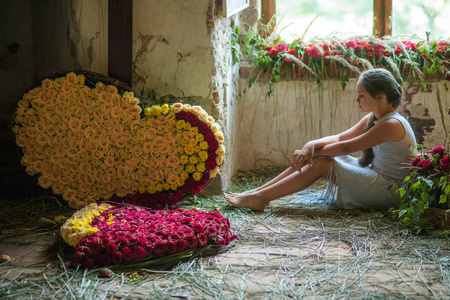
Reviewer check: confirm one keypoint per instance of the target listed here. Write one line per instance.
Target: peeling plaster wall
(172, 52)
(267, 130)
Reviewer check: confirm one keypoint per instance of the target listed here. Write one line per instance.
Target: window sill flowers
(337, 58)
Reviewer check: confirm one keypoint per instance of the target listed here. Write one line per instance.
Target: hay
(290, 251)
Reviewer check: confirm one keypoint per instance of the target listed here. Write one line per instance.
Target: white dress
(373, 186)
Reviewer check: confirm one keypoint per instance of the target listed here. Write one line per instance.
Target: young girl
(385, 137)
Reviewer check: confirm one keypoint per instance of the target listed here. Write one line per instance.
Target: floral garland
(104, 235)
(404, 57)
(427, 186)
(90, 144)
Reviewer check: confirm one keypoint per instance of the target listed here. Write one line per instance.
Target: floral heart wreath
(91, 142)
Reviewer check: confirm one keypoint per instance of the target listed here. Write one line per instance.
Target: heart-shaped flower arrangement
(105, 235)
(88, 142)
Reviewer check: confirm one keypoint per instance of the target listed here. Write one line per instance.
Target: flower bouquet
(104, 235)
(90, 141)
(426, 190)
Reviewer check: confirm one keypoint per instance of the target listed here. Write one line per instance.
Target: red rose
(210, 164)
(427, 164)
(438, 150)
(202, 239)
(181, 245)
(127, 254)
(416, 161)
(117, 257)
(171, 247)
(159, 248)
(444, 163)
(139, 252)
(111, 248)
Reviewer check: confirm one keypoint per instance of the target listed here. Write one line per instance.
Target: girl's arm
(388, 130)
(307, 153)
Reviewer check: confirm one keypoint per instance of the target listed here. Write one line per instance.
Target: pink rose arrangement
(92, 143)
(104, 235)
(427, 186)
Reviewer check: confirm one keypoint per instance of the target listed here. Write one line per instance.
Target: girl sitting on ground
(385, 138)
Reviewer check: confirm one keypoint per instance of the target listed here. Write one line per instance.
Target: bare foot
(247, 200)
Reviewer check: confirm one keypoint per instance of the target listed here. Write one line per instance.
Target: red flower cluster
(436, 158)
(369, 50)
(129, 233)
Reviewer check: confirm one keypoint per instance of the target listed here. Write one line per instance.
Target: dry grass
(289, 251)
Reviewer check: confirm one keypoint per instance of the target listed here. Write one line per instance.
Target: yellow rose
(189, 150)
(193, 159)
(80, 80)
(47, 84)
(201, 167)
(151, 189)
(165, 109)
(44, 181)
(190, 169)
(197, 176)
(71, 78)
(180, 124)
(203, 155)
(111, 89)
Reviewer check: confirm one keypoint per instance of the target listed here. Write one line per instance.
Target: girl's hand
(301, 158)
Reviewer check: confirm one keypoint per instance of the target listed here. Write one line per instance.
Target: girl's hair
(377, 81)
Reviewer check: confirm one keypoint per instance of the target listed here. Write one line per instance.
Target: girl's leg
(292, 183)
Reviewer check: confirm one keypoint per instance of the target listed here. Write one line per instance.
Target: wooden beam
(268, 9)
(382, 17)
(120, 26)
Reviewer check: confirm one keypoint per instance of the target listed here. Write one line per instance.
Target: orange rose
(176, 107)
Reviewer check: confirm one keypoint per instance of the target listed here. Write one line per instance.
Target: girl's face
(365, 101)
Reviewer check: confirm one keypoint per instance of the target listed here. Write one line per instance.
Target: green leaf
(443, 199)
(421, 206)
(402, 192)
(416, 185)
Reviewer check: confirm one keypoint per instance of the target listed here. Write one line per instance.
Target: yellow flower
(193, 159)
(204, 145)
(165, 109)
(190, 169)
(60, 218)
(200, 137)
(151, 189)
(184, 159)
(166, 186)
(184, 175)
(155, 110)
(197, 176)
(159, 187)
(203, 155)
(193, 143)
(201, 167)
(187, 126)
(189, 150)
(194, 130)
(180, 124)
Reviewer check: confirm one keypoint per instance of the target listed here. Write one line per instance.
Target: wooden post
(382, 17)
(120, 26)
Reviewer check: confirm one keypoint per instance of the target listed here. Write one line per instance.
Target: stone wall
(180, 53)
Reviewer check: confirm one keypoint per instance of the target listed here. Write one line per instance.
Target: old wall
(267, 130)
(181, 52)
